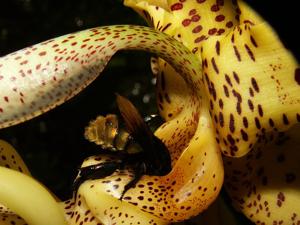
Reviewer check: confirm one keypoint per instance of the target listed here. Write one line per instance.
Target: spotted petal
(21, 196)
(252, 81)
(47, 74)
(264, 184)
(191, 22)
(253, 85)
(191, 186)
(38, 78)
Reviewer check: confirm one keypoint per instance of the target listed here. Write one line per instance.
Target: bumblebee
(134, 143)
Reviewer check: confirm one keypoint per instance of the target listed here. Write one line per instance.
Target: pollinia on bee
(107, 132)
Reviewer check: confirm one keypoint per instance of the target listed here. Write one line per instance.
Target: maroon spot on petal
(201, 1)
(271, 122)
(221, 31)
(285, 119)
(186, 22)
(195, 18)
(253, 41)
(231, 124)
(226, 92)
(254, 84)
(260, 110)
(237, 53)
(238, 108)
(192, 12)
(297, 75)
(176, 6)
(195, 50)
(213, 62)
(220, 18)
(236, 77)
(281, 196)
(257, 123)
(250, 53)
(230, 139)
(245, 122)
(166, 27)
(197, 29)
(215, 8)
(232, 38)
(227, 78)
(221, 119)
(221, 104)
(244, 135)
(279, 203)
(229, 24)
(212, 31)
(199, 39)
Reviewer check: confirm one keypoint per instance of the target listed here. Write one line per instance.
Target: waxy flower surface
(227, 88)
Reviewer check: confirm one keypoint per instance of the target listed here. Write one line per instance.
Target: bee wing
(134, 122)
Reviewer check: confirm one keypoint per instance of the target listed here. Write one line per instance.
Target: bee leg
(96, 171)
(139, 171)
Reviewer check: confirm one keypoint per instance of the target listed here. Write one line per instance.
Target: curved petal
(264, 185)
(12, 160)
(28, 199)
(94, 205)
(252, 80)
(191, 186)
(171, 90)
(174, 99)
(191, 22)
(38, 78)
(67, 64)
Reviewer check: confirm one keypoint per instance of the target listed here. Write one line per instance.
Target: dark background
(53, 145)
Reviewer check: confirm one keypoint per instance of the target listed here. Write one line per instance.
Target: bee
(134, 143)
(107, 132)
(110, 134)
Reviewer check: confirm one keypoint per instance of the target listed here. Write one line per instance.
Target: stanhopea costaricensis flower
(231, 87)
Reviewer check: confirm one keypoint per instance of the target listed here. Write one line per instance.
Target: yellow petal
(192, 185)
(171, 90)
(28, 199)
(96, 202)
(253, 84)
(191, 22)
(264, 184)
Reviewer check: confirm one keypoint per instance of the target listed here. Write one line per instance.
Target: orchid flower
(226, 86)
